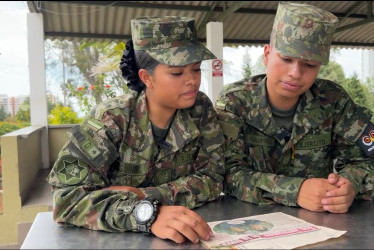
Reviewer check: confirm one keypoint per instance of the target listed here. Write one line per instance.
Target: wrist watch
(145, 213)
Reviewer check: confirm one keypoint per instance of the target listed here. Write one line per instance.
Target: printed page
(273, 230)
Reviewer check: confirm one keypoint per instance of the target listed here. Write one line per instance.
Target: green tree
(359, 92)
(23, 113)
(3, 113)
(51, 105)
(246, 65)
(259, 67)
(92, 73)
(63, 115)
(370, 83)
(333, 71)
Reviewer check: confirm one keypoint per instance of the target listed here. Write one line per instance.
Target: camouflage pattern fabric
(262, 168)
(304, 31)
(170, 40)
(115, 146)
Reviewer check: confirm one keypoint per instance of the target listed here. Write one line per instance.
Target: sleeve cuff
(153, 192)
(287, 190)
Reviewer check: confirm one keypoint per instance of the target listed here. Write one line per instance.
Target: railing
(25, 191)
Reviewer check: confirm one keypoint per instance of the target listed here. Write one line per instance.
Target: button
(127, 209)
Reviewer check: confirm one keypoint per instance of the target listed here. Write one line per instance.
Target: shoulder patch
(94, 124)
(71, 170)
(366, 140)
(220, 105)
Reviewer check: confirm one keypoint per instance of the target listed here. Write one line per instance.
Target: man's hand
(312, 191)
(134, 190)
(178, 223)
(336, 180)
(340, 199)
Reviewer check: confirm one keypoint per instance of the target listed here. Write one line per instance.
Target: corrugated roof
(244, 22)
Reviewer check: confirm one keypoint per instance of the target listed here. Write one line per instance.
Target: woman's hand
(178, 223)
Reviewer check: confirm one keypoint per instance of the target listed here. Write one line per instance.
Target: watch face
(144, 212)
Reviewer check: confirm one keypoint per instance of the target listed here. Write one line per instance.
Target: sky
(14, 78)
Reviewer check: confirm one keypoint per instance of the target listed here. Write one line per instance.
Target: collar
(308, 115)
(139, 134)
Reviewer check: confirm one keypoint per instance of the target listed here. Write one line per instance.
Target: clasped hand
(334, 194)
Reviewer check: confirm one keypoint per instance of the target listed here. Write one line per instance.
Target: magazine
(273, 230)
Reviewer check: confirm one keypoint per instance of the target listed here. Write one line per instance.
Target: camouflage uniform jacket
(262, 168)
(115, 146)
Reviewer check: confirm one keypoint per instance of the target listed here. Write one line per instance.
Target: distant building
(52, 98)
(5, 102)
(11, 104)
(16, 103)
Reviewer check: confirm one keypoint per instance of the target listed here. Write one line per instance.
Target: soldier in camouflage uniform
(291, 138)
(161, 140)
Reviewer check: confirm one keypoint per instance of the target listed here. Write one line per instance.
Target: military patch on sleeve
(366, 140)
(94, 124)
(90, 149)
(71, 170)
(220, 105)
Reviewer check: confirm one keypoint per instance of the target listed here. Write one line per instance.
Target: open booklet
(273, 230)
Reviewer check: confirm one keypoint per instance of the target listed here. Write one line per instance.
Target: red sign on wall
(217, 66)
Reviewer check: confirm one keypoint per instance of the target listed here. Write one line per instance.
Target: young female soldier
(141, 161)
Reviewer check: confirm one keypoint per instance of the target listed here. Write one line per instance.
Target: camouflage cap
(171, 40)
(304, 31)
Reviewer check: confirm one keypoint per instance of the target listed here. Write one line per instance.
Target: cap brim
(182, 55)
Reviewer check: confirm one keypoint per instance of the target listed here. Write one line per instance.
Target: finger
(332, 178)
(184, 229)
(172, 234)
(337, 192)
(199, 224)
(344, 189)
(336, 200)
(341, 182)
(338, 209)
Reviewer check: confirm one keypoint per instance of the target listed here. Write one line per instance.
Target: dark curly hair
(130, 64)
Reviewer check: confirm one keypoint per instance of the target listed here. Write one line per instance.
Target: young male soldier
(287, 131)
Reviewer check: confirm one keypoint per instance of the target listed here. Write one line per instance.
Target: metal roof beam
(32, 5)
(369, 8)
(68, 35)
(354, 25)
(351, 10)
(238, 42)
(207, 18)
(224, 15)
(166, 6)
(139, 5)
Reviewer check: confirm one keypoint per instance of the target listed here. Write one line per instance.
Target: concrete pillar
(214, 40)
(38, 100)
